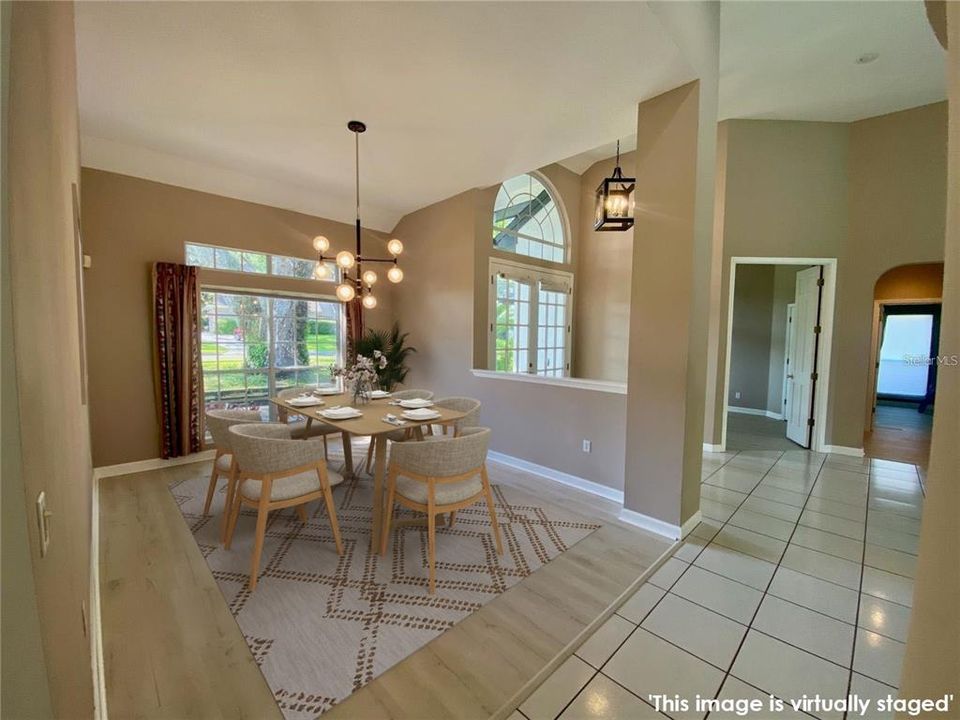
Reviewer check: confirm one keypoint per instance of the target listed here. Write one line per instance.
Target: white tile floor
(798, 581)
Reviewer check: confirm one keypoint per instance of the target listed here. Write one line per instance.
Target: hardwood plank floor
(171, 647)
(173, 650)
(900, 433)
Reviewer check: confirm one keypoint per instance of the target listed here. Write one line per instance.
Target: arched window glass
(526, 220)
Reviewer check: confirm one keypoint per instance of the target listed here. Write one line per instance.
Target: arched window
(527, 220)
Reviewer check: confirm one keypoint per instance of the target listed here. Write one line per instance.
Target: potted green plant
(392, 344)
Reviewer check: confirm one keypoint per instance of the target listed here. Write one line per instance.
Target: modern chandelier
(362, 282)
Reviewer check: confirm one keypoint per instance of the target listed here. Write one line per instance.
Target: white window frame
(334, 275)
(271, 370)
(567, 245)
(534, 275)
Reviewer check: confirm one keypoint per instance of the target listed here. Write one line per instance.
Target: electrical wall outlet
(736, 395)
(587, 445)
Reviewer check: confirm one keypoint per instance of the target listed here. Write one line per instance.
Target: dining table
(372, 423)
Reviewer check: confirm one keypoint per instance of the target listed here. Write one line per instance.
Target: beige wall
(24, 691)
(603, 285)
(54, 432)
(750, 341)
(543, 424)
(870, 194)
(128, 224)
(931, 664)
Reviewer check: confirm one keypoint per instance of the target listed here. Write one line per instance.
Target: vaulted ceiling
(251, 100)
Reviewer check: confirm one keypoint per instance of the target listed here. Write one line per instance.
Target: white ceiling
(797, 60)
(250, 100)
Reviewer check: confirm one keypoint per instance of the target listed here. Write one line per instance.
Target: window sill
(607, 386)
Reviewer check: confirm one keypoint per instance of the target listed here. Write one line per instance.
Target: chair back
(470, 406)
(413, 395)
(219, 422)
(268, 448)
(442, 457)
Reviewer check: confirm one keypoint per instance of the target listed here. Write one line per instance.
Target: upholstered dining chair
(318, 428)
(275, 472)
(398, 435)
(436, 476)
(467, 405)
(224, 463)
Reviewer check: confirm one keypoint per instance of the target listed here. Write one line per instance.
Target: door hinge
(819, 282)
(814, 376)
(810, 422)
(816, 329)
(491, 327)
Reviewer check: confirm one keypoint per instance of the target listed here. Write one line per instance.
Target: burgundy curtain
(178, 377)
(354, 313)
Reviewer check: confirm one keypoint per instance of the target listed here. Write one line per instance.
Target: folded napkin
(340, 412)
(421, 414)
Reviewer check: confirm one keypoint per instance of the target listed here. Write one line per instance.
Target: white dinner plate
(340, 415)
(416, 403)
(376, 394)
(306, 401)
(421, 414)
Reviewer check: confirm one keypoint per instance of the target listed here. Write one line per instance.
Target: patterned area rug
(321, 626)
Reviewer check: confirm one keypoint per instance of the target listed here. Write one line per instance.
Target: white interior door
(790, 342)
(800, 378)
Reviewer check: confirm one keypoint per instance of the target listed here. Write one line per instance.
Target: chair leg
(228, 502)
(326, 451)
(331, 510)
(211, 487)
(302, 513)
(234, 514)
(432, 540)
(488, 494)
(261, 531)
(388, 512)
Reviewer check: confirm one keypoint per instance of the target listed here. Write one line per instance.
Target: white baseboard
(843, 450)
(559, 476)
(690, 524)
(707, 447)
(652, 524)
(151, 464)
(755, 411)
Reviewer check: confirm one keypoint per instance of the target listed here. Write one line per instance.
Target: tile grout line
(763, 597)
(647, 614)
(856, 617)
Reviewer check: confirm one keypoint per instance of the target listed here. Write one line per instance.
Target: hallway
(799, 580)
(900, 433)
(755, 432)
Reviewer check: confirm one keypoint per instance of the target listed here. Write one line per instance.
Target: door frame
(872, 375)
(824, 349)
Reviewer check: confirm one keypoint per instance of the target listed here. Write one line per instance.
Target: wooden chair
(436, 476)
(398, 435)
(277, 472)
(218, 423)
(318, 428)
(467, 405)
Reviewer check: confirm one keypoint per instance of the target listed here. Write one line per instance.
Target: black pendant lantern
(614, 203)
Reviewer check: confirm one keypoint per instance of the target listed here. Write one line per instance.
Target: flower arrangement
(362, 376)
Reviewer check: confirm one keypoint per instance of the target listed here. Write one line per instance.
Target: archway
(905, 336)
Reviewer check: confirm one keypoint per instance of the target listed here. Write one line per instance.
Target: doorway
(904, 389)
(779, 337)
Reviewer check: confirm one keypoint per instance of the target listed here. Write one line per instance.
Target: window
(905, 347)
(255, 344)
(526, 220)
(530, 319)
(246, 261)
